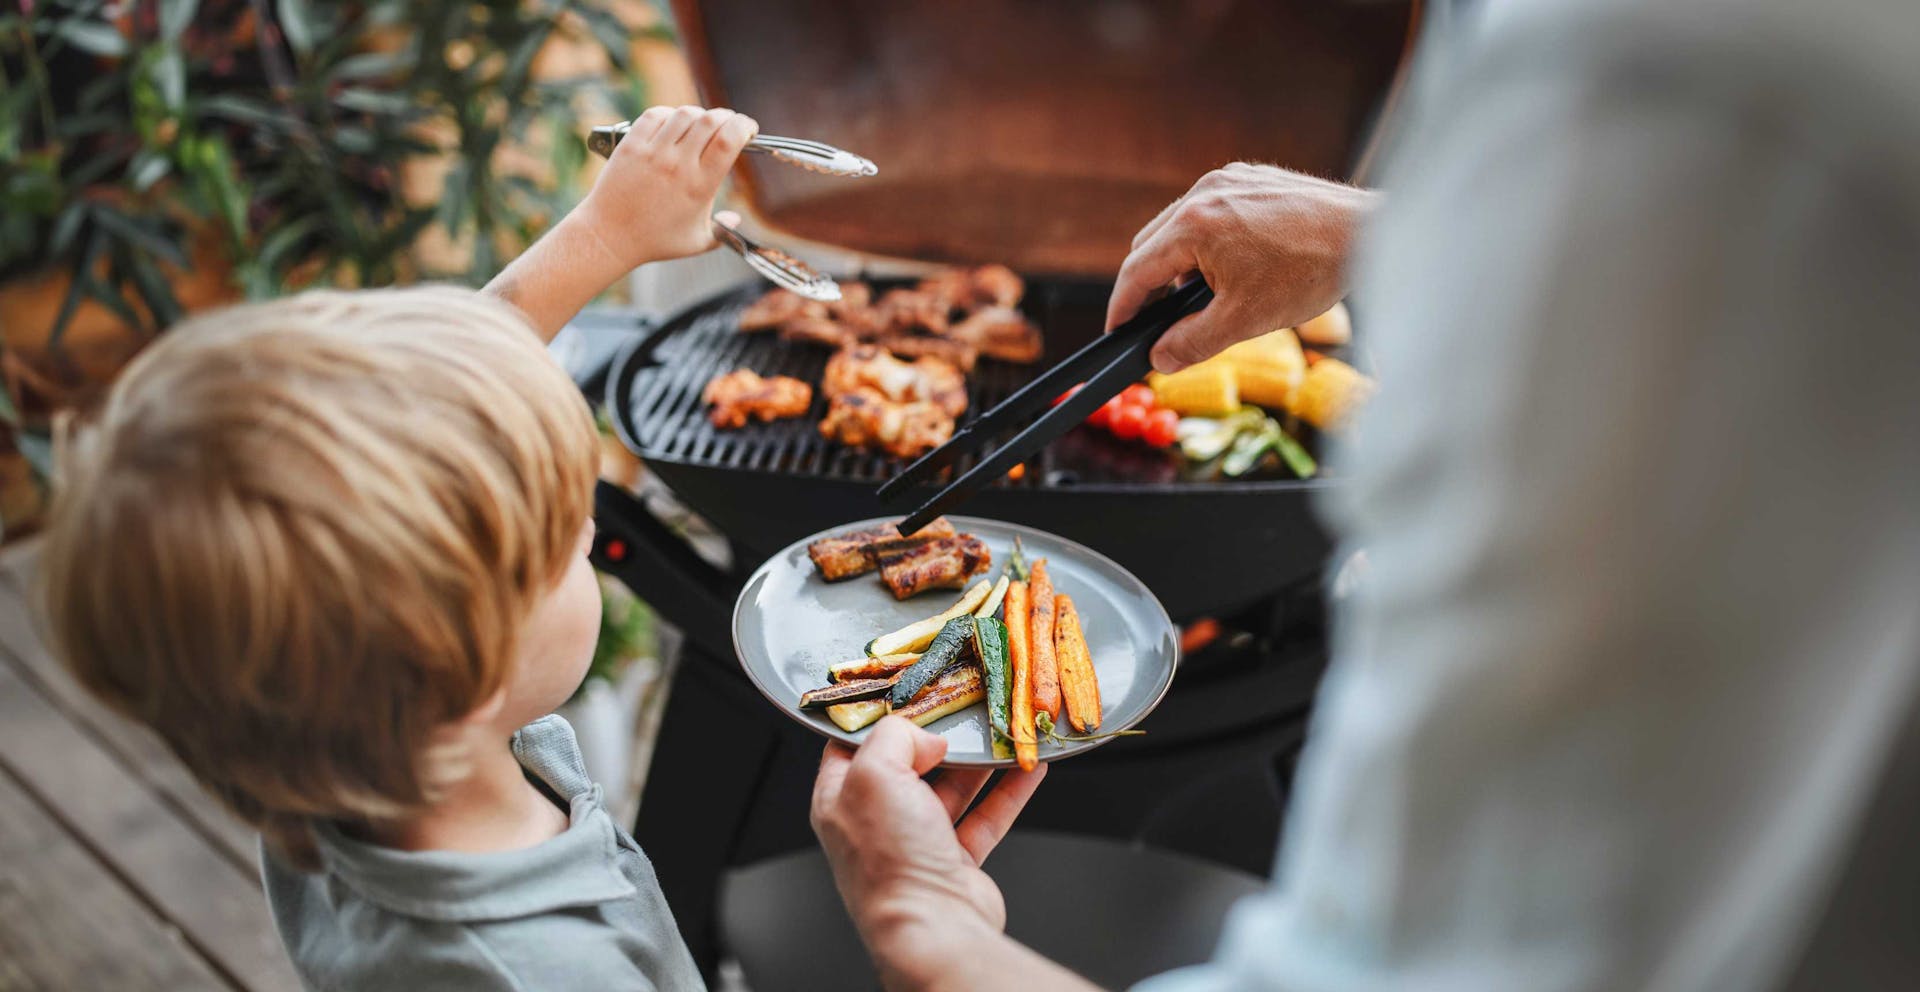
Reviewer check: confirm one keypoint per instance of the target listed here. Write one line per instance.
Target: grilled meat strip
(943, 563)
(857, 552)
(926, 379)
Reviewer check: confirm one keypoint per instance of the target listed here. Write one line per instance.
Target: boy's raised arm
(652, 202)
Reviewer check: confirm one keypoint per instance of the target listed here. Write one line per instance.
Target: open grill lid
(1039, 135)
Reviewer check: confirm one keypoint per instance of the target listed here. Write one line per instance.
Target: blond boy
(333, 549)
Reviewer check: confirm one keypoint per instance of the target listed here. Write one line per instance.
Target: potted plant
(157, 156)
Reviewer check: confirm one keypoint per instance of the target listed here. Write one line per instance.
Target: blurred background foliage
(158, 156)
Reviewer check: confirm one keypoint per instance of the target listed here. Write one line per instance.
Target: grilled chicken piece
(817, 330)
(1000, 332)
(844, 556)
(776, 308)
(971, 289)
(997, 286)
(741, 395)
(958, 354)
(870, 366)
(943, 563)
(904, 311)
(865, 418)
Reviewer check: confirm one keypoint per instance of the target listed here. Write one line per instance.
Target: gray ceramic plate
(789, 625)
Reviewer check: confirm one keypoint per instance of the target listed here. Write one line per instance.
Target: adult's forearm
(953, 956)
(561, 273)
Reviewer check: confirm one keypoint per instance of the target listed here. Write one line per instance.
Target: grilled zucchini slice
(916, 636)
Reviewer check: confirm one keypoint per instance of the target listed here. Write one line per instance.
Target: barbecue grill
(1040, 136)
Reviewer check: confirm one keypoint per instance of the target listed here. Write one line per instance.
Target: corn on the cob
(1330, 393)
(1330, 329)
(1208, 389)
(1268, 385)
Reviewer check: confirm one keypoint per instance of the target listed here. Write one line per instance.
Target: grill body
(1203, 546)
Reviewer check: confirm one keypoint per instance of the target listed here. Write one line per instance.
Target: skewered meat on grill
(858, 552)
(865, 418)
(958, 354)
(942, 563)
(1000, 332)
(741, 395)
(870, 366)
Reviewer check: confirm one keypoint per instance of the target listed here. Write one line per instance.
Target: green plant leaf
(139, 235)
(175, 15)
(156, 291)
(91, 36)
(66, 227)
(147, 168)
(82, 274)
(368, 65)
(374, 102)
(296, 22)
(170, 77)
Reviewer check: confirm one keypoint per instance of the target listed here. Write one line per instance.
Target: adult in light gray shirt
(1627, 699)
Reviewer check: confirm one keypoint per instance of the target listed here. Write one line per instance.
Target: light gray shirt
(580, 911)
(1626, 700)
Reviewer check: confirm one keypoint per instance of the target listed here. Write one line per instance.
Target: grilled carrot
(1026, 746)
(1078, 684)
(1046, 675)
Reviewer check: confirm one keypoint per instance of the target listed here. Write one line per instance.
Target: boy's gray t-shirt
(582, 910)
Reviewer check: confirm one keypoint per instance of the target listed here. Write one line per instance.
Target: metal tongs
(1108, 364)
(776, 266)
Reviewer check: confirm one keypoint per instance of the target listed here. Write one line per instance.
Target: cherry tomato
(1103, 415)
(1162, 428)
(1129, 423)
(1062, 398)
(1137, 395)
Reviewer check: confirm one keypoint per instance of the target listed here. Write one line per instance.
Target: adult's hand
(906, 863)
(1273, 244)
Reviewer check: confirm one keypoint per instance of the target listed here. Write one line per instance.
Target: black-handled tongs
(1108, 364)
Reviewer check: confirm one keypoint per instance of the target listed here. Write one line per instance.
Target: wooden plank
(67, 923)
(217, 907)
(136, 748)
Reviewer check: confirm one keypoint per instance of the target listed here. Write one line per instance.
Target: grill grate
(668, 418)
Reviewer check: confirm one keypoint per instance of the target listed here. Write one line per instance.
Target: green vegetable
(939, 656)
(1202, 439)
(1017, 562)
(990, 643)
(1248, 447)
(1295, 455)
(915, 636)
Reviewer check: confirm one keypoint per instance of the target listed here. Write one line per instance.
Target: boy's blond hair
(300, 536)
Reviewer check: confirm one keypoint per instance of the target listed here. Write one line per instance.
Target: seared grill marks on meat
(865, 418)
(741, 395)
(942, 563)
(844, 556)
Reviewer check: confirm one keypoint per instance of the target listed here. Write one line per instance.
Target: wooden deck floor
(116, 872)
